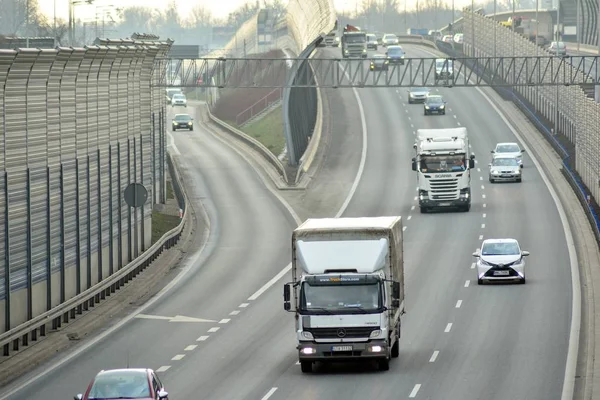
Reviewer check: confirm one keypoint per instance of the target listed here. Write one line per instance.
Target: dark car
(434, 104)
(134, 383)
(379, 62)
(417, 95)
(183, 121)
(395, 55)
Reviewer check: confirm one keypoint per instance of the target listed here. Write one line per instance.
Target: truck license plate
(501, 273)
(341, 348)
(444, 204)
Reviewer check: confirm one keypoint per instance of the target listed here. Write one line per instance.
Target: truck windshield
(349, 299)
(442, 163)
(355, 38)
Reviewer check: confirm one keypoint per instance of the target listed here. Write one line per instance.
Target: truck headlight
(307, 335)
(427, 107)
(364, 50)
(423, 195)
(375, 334)
(346, 51)
(464, 194)
(337, 39)
(376, 349)
(308, 350)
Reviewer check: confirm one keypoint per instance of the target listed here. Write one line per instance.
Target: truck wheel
(466, 208)
(396, 349)
(424, 210)
(384, 364)
(306, 366)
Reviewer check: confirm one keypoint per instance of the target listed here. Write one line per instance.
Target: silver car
(372, 41)
(509, 150)
(179, 100)
(417, 95)
(505, 168)
(389, 40)
(500, 260)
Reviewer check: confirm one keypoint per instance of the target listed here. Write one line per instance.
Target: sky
(219, 8)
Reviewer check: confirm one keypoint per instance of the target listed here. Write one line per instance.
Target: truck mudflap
(463, 204)
(342, 351)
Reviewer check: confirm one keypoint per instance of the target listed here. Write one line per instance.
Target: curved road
(504, 342)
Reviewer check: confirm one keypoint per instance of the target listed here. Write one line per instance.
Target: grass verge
(269, 131)
(162, 223)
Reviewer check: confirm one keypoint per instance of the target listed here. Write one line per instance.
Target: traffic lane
(249, 242)
(430, 278)
(511, 340)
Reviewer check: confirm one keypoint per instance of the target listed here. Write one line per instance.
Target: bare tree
(137, 19)
(200, 16)
(243, 13)
(19, 17)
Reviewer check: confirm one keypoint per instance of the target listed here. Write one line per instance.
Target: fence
(573, 116)
(260, 106)
(77, 126)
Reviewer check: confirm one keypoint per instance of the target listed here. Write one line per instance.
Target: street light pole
(473, 28)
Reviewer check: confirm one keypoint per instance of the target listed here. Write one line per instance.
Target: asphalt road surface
(459, 340)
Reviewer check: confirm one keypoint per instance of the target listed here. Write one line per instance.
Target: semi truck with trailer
(443, 163)
(354, 42)
(347, 290)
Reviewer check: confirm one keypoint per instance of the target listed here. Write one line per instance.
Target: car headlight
(442, 107)
(337, 39)
(364, 50)
(495, 173)
(307, 335)
(427, 107)
(189, 123)
(375, 334)
(402, 57)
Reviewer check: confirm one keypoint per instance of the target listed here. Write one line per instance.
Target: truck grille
(334, 333)
(443, 189)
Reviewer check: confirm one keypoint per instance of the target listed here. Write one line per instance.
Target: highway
(459, 340)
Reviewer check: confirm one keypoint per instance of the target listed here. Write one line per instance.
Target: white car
(505, 168)
(459, 38)
(500, 260)
(510, 150)
(444, 68)
(389, 40)
(179, 100)
(372, 41)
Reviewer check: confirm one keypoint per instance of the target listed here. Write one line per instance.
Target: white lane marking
(478, 169)
(269, 393)
(573, 350)
(178, 357)
(458, 123)
(412, 208)
(484, 205)
(416, 198)
(448, 327)
(472, 265)
(244, 305)
(414, 132)
(191, 347)
(224, 320)
(483, 196)
(415, 391)
(234, 312)
(214, 329)
(458, 304)
(481, 178)
(476, 162)
(92, 342)
(482, 187)
(484, 215)
(409, 217)
(434, 356)
(482, 226)
(202, 338)
(467, 282)
(480, 237)
(403, 228)
(273, 281)
(172, 144)
(412, 125)
(163, 368)
(454, 116)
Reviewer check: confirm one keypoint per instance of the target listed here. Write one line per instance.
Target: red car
(131, 383)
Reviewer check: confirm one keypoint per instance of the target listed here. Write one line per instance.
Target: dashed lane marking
(458, 304)
(178, 357)
(467, 283)
(448, 327)
(202, 338)
(434, 356)
(404, 228)
(415, 390)
(409, 217)
(472, 265)
(224, 320)
(484, 215)
(480, 237)
(412, 208)
(244, 305)
(234, 312)
(163, 368)
(482, 226)
(269, 393)
(214, 329)
(191, 347)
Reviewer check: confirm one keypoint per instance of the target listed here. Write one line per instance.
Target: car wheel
(466, 208)
(409, 101)
(306, 366)
(492, 181)
(174, 129)
(522, 281)
(425, 113)
(424, 210)
(376, 48)
(521, 165)
(384, 364)
(443, 112)
(519, 180)
(191, 129)
(480, 281)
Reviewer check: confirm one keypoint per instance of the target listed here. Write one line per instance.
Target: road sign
(135, 195)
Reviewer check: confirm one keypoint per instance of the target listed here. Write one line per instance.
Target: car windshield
(178, 96)
(372, 38)
(120, 385)
(500, 249)
(182, 118)
(419, 90)
(341, 297)
(560, 45)
(434, 100)
(355, 38)
(504, 162)
(439, 64)
(173, 92)
(395, 51)
(388, 37)
(507, 148)
(442, 163)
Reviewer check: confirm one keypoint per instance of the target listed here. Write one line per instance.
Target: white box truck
(443, 164)
(347, 289)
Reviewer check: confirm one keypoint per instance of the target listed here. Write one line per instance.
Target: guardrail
(30, 330)
(258, 146)
(417, 40)
(259, 106)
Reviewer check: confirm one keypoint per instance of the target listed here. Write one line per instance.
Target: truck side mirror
(287, 306)
(395, 303)
(471, 164)
(414, 164)
(396, 290)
